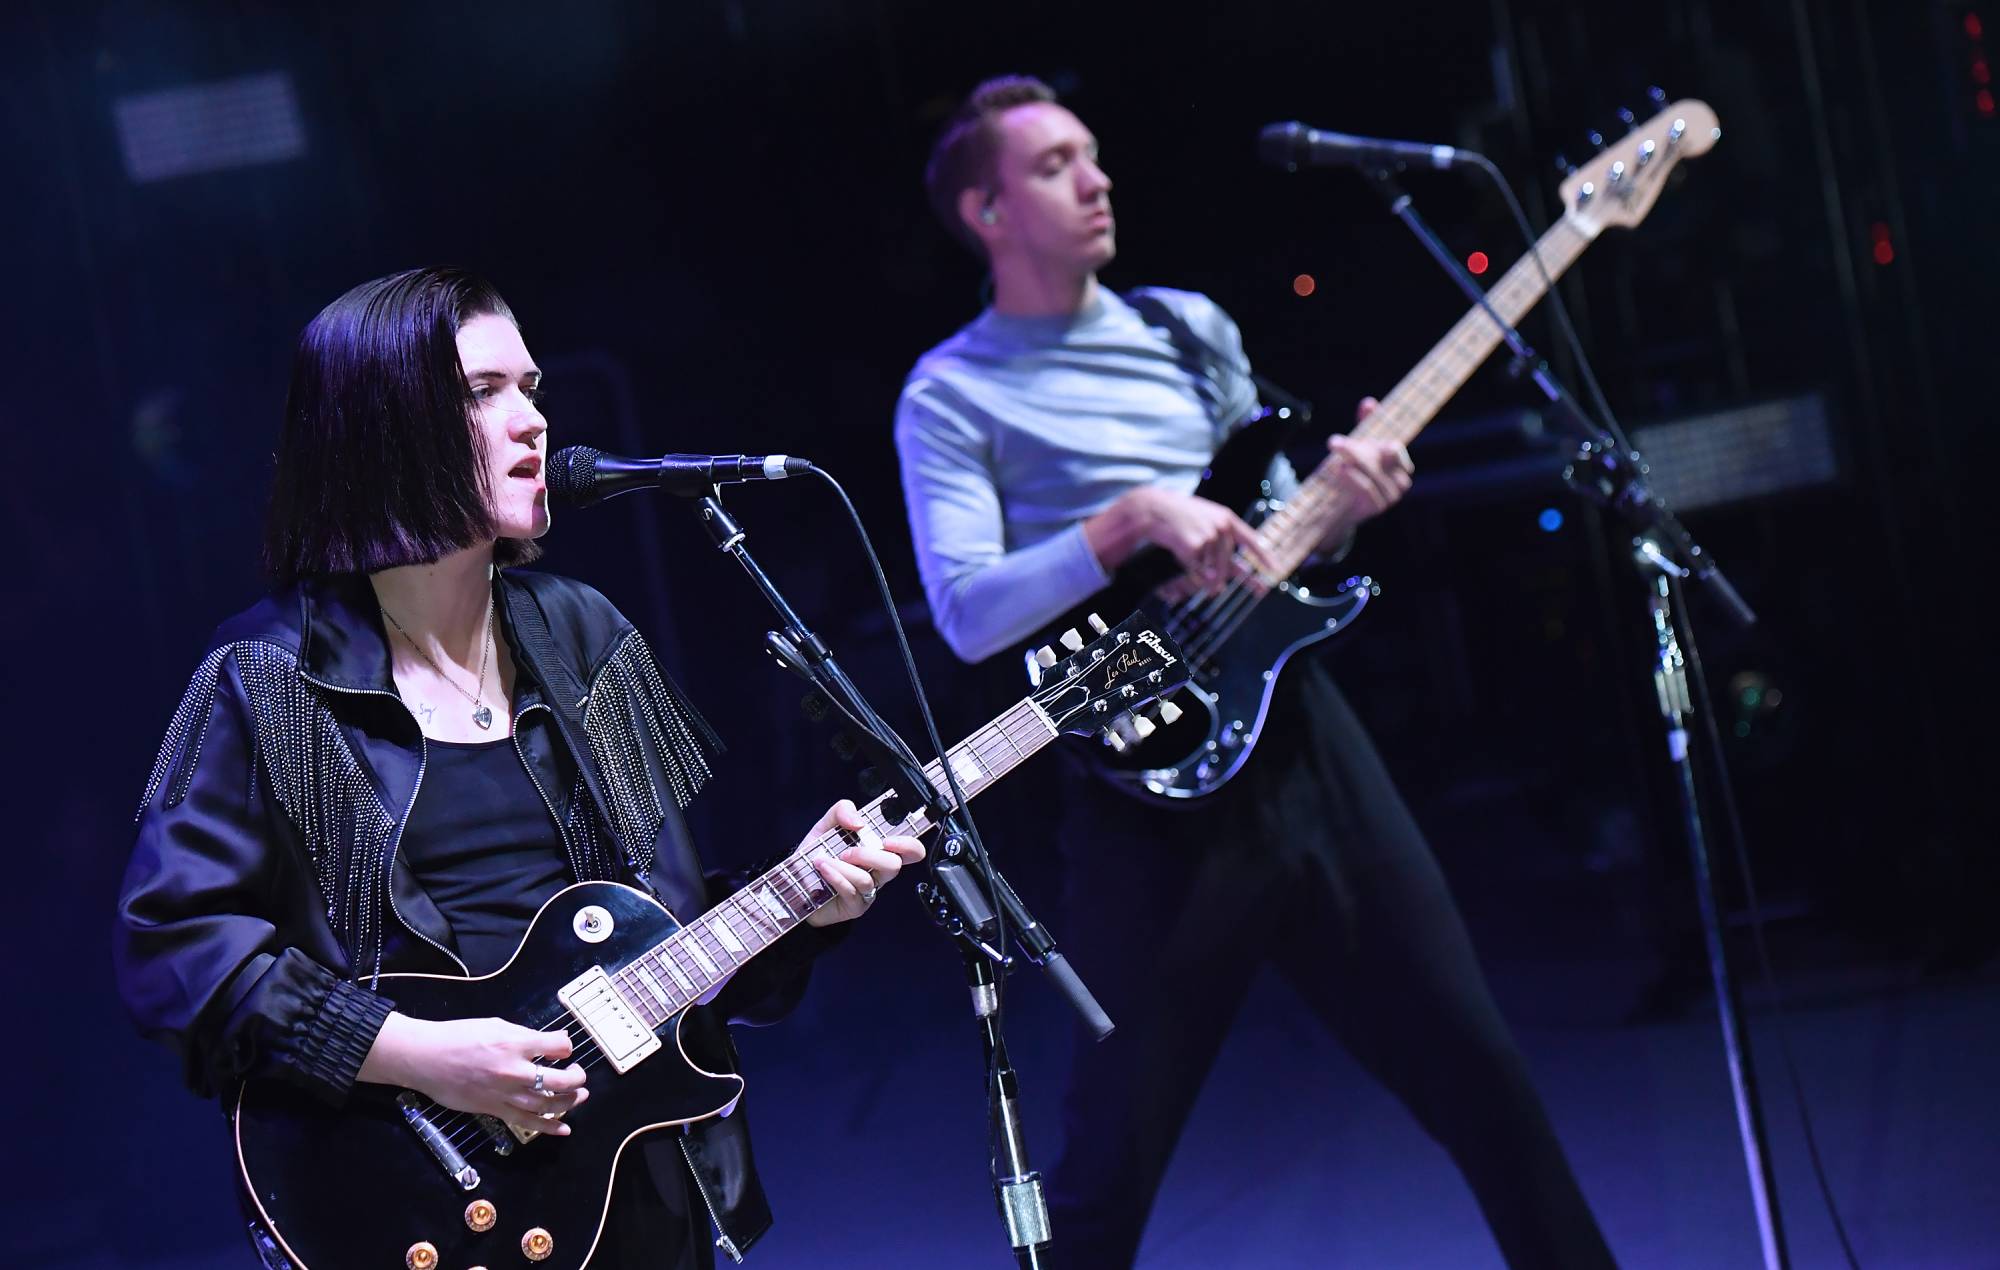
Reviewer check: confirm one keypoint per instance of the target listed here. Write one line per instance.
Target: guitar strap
(1158, 312)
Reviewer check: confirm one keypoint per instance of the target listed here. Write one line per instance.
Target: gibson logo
(1152, 641)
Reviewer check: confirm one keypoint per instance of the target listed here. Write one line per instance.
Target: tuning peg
(1112, 739)
(1097, 624)
(1626, 117)
(1595, 138)
(1071, 640)
(1657, 95)
(1169, 712)
(1144, 726)
(1045, 656)
(1563, 166)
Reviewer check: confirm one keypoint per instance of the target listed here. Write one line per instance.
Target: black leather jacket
(265, 890)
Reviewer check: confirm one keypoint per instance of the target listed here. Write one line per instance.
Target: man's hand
(1374, 472)
(1205, 537)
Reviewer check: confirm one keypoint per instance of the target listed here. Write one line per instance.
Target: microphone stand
(956, 896)
(1612, 473)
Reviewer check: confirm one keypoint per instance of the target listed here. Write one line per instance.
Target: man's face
(1052, 203)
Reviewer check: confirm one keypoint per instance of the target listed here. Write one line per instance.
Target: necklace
(482, 714)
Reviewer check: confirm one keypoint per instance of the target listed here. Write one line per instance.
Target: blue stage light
(1550, 520)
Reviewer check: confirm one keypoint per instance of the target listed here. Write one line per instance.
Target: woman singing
(392, 761)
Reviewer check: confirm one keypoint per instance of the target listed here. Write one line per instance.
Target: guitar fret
(700, 954)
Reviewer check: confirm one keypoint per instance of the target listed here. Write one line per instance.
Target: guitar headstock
(1620, 185)
(1091, 686)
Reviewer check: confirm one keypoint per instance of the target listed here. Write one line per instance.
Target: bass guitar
(393, 1179)
(1239, 639)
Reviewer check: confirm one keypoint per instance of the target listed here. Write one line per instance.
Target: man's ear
(976, 209)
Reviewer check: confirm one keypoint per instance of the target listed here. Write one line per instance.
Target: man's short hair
(380, 458)
(965, 152)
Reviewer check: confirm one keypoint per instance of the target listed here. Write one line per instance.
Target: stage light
(1550, 520)
(1884, 251)
(1984, 100)
(1477, 262)
(1973, 27)
(1303, 285)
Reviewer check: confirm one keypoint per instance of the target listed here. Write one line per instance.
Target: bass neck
(1295, 531)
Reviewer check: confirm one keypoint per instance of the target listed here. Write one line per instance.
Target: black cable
(961, 804)
(1738, 841)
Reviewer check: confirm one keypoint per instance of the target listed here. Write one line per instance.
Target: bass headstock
(1090, 686)
(1620, 185)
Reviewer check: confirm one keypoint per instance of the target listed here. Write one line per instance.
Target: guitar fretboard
(695, 960)
(1294, 532)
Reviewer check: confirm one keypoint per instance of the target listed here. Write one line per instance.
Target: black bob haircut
(379, 461)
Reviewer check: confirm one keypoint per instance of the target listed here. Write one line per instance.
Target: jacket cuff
(335, 1041)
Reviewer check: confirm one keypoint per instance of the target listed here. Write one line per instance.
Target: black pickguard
(1231, 682)
(354, 1186)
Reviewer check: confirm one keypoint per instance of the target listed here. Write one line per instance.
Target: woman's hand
(859, 871)
(486, 1066)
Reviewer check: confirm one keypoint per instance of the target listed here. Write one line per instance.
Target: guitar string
(462, 1128)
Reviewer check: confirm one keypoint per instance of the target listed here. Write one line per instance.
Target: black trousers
(1308, 861)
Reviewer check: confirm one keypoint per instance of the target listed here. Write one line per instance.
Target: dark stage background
(709, 218)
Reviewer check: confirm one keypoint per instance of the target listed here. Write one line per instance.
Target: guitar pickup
(622, 1036)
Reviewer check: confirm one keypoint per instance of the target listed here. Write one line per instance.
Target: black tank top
(484, 846)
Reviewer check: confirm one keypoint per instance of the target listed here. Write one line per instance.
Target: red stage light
(1981, 72)
(1303, 284)
(1973, 27)
(1476, 262)
(1885, 251)
(1984, 100)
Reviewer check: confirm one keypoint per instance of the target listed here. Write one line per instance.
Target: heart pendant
(483, 716)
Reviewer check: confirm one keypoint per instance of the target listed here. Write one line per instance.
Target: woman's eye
(535, 392)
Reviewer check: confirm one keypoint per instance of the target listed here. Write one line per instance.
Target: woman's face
(505, 386)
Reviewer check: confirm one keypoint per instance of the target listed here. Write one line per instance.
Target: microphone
(1293, 146)
(579, 476)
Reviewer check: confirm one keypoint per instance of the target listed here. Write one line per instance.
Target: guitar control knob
(537, 1244)
(1169, 712)
(480, 1215)
(1097, 624)
(1072, 641)
(1045, 656)
(421, 1256)
(1144, 726)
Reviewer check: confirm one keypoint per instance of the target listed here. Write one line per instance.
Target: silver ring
(546, 1093)
(868, 896)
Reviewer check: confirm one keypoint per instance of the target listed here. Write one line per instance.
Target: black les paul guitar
(1238, 641)
(395, 1180)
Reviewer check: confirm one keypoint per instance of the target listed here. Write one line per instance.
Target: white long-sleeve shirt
(1015, 430)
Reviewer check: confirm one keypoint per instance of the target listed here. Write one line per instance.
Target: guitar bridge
(621, 1034)
(440, 1146)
